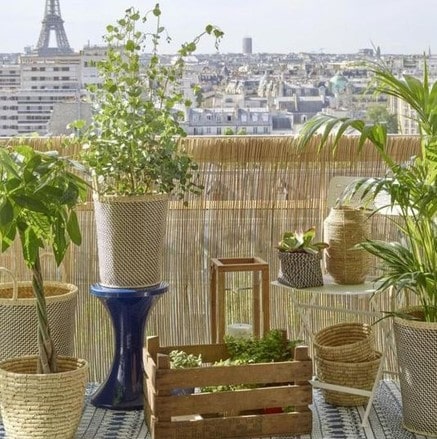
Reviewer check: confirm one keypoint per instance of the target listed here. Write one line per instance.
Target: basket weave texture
(343, 229)
(18, 318)
(130, 240)
(42, 406)
(416, 346)
(357, 375)
(345, 342)
(300, 270)
(346, 356)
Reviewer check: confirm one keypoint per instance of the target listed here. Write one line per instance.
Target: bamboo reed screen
(255, 189)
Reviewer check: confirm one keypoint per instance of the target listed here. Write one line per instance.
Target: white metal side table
(345, 299)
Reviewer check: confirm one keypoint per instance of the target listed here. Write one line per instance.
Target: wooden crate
(231, 414)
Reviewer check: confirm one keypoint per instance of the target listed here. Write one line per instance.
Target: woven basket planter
(300, 270)
(42, 406)
(357, 375)
(343, 229)
(345, 342)
(130, 239)
(416, 346)
(18, 318)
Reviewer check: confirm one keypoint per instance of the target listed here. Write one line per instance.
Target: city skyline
(282, 26)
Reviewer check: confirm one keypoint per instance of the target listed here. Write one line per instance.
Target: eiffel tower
(52, 21)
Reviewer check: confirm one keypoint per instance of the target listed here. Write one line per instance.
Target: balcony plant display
(300, 259)
(38, 196)
(409, 265)
(133, 147)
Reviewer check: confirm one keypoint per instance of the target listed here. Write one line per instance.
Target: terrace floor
(329, 422)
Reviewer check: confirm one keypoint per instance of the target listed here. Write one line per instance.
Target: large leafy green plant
(38, 196)
(132, 145)
(409, 265)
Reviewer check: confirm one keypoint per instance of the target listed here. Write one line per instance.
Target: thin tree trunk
(47, 354)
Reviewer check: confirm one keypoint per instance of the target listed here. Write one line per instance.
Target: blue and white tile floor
(329, 422)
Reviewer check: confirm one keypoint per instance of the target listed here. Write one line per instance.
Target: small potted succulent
(300, 259)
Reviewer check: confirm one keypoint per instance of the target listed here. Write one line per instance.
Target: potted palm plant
(300, 259)
(132, 147)
(409, 266)
(40, 396)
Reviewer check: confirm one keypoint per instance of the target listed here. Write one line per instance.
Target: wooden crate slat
(293, 424)
(240, 400)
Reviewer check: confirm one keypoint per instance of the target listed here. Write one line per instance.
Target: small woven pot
(130, 239)
(343, 229)
(42, 406)
(345, 342)
(416, 347)
(18, 317)
(357, 375)
(300, 269)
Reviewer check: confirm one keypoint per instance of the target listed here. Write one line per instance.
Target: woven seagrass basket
(300, 270)
(357, 375)
(130, 239)
(18, 317)
(345, 227)
(42, 406)
(345, 342)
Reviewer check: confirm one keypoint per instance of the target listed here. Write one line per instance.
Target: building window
(228, 117)
(219, 130)
(255, 130)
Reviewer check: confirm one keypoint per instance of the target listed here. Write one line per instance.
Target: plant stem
(47, 354)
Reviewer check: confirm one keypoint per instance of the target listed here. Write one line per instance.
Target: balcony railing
(255, 189)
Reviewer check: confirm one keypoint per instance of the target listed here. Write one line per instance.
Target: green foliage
(273, 346)
(410, 188)
(38, 196)
(180, 359)
(378, 114)
(301, 242)
(133, 144)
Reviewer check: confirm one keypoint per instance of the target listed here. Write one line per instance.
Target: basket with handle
(18, 318)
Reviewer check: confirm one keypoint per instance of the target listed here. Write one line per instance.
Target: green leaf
(6, 213)
(74, 229)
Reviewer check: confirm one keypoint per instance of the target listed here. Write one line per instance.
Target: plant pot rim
(65, 291)
(418, 324)
(79, 362)
(117, 198)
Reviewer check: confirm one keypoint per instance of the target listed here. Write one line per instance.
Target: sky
(278, 26)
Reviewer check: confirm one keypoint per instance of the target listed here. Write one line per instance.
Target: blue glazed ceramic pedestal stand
(128, 309)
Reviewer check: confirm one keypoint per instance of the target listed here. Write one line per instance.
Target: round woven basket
(345, 342)
(18, 317)
(343, 229)
(357, 375)
(42, 406)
